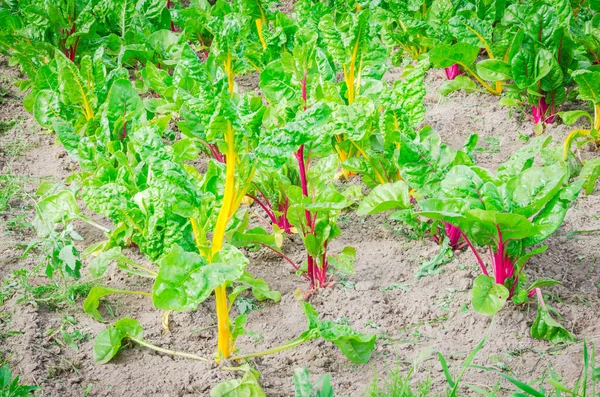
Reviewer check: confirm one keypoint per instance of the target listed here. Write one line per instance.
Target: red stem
(284, 256)
(169, 7)
(269, 212)
(499, 265)
(481, 264)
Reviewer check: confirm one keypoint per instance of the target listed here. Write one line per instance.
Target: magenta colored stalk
(215, 152)
(453, 71)
(550, 119)
(481, 264)
(269, 212)
(453, 234)
(312, 271)
(539, 112)
(285, 257)
(283, 221)
(499, 270)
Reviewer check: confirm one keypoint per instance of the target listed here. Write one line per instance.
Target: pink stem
(269, 212)
(481, 265)
(499, 270)
(291, 262)
(541, 298)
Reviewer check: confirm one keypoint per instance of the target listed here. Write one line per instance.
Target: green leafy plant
(519, 207)
(356, 346)
(542, 55)
(11, 387)
(589, 90)
(304, 388)
(312, 208)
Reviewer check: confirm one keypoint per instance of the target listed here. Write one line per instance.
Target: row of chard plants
(191, 168)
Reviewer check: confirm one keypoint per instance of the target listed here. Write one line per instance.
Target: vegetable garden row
(140, 94)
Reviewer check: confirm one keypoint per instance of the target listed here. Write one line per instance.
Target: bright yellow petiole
(260, 33)
(574, 133)
(498, 89)
(225, 340)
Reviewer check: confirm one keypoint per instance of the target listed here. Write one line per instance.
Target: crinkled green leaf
(185, 278)
(530, 190)
(590, 173)
(385, 197)
(551, 217)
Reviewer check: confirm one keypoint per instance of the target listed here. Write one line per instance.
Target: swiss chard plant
(588, 82)
(407, 28)
(400, 110)
(355, 346)
(543, 53)
(35, 28)
(353, 44)
(517, 208)
(297, 135)
(464, 30)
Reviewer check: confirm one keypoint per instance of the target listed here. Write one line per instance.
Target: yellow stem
(242, 193)
(480, 37)
(225, 341)
(196, 231)
(341, 154)
(366, 156)
(597, 116)
(569, 138)
(358, 79)
(262, 13)
(229, 71)
(255, 66)
(260, 33)
(350, 78)
(483, 83)
(498, 89)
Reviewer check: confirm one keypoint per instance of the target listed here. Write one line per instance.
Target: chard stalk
(259, 29)
(169, 5)
(481, 264)
(225, 339)
(572, 134)
(499, 270)
(274, 350)
(166, 351)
